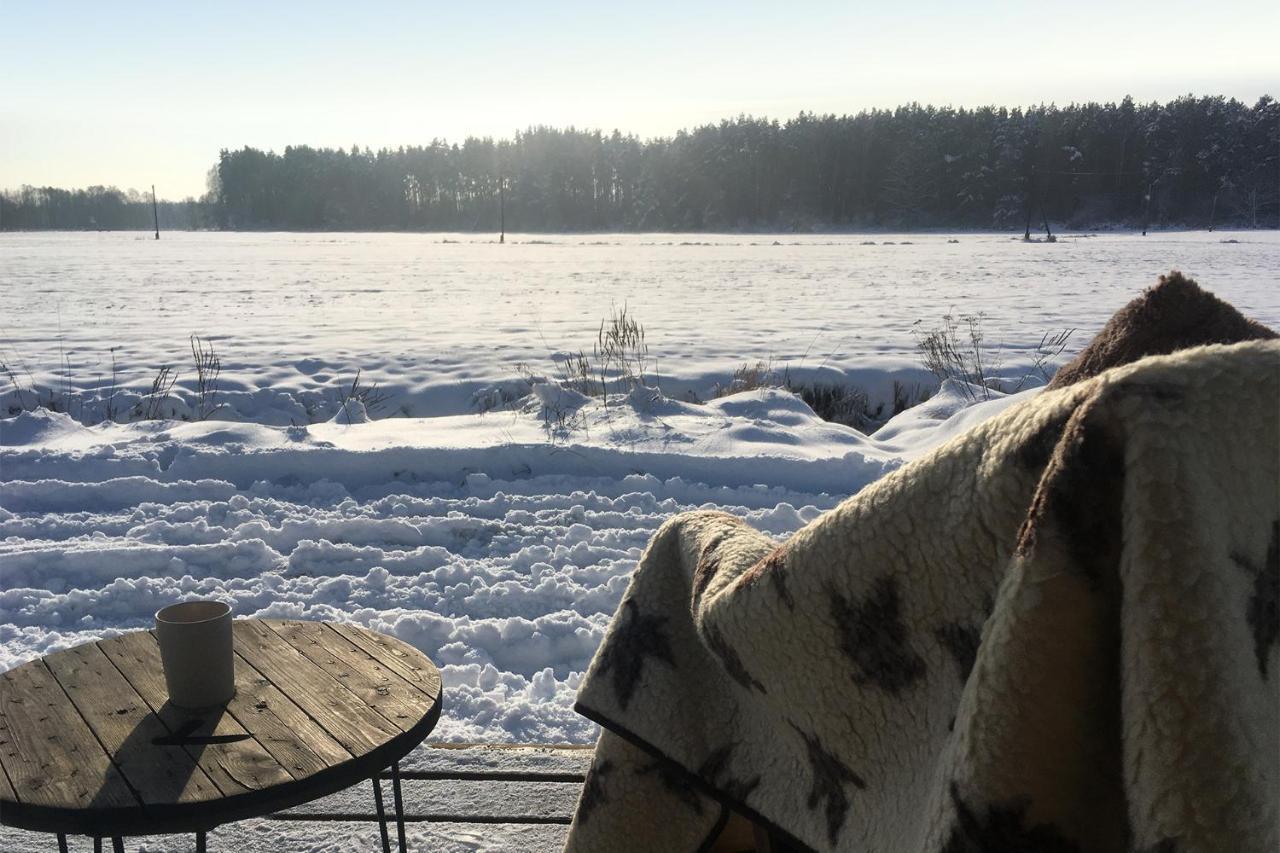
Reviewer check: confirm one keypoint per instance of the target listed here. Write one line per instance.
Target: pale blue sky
(141, 92)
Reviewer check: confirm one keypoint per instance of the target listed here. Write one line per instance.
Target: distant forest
(1191, 162)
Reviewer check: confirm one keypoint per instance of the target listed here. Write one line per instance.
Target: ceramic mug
(195, 649)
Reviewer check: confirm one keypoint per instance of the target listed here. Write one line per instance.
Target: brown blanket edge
(1174, 314)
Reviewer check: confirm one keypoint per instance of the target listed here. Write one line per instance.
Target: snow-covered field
(497, 546)
(433, 319)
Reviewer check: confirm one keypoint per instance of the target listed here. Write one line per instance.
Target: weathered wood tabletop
(89, 743)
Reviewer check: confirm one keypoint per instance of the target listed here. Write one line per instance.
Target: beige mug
(196, 651)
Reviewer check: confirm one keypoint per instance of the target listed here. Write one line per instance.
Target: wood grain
(297, 741)
(378, 686)
(341, 713)
(394, 654)
(6, 790)
(235, 765)
(49, 753)
(127, 729)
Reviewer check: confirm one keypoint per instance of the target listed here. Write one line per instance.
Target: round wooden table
(89, 744)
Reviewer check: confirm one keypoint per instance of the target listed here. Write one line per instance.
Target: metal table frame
(117, 841)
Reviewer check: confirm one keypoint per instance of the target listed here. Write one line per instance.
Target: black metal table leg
(395, 788)
(200, 842)
(62, 843)
(382, 815)
(97, 844)
(117, 844)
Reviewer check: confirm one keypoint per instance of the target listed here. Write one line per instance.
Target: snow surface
(499, 542)
(499, 548)
(435, 320)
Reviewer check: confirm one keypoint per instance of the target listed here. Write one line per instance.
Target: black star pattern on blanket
(773, 566)
(1002, 829)
(961, 641)
(593, 794)
(729, 658)
(715, 772)
(709, 561)
(1079, 496)
(830, 776)
(874, 636)
(1035, 453)
(675, 783)
(638, 636)
(778, 577)
(1263, 611)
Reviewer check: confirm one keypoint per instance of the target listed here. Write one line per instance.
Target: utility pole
(155, 211)
(1255, 192)
(1146, 210)
(502, 208)
(1026, 235)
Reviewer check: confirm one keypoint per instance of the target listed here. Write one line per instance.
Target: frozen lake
(432, 317)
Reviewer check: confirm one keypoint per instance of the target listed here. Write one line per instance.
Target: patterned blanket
(1058, 632)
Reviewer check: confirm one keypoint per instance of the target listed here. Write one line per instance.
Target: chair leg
(97, 844)
(382, 815)
(395, 788)
(62, 843)
(200, 842)
(117, 844)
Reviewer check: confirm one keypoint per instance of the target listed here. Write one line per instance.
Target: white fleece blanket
(1056, 633)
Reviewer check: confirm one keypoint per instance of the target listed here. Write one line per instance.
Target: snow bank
(499, 544)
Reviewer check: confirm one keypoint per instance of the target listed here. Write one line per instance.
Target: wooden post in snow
(1031, 198)
(1146, 211)
(502, 208)
(155, 211)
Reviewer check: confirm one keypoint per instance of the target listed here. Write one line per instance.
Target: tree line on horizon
(1191, 162)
